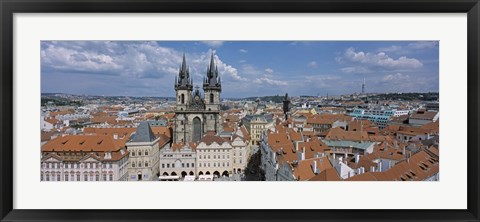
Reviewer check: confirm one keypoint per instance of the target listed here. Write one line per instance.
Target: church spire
(211, 68)
(212, 82)
(184, 64)
(184, 80)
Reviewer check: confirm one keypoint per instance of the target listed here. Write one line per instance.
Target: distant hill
(430, 96)
(276, 98)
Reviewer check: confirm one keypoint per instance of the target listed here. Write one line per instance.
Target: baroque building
(197, 114)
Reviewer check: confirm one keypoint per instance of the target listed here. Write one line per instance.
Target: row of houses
(143, 153)
(288, 154)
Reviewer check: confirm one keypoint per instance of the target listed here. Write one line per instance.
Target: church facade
(197, 114)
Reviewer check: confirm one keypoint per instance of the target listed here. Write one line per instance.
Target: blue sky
(247, 68)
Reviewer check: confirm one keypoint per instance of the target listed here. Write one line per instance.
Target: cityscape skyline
(247, 68)
(199, 137)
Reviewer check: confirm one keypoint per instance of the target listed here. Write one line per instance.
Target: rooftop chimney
(372, 169)
(357, 158)
(115, 136)
(315, 167)
(362, 170)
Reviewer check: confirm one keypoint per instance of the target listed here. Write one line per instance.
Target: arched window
(183, 99)
(211, 97)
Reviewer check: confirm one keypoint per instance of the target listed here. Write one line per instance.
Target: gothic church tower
(195, 115)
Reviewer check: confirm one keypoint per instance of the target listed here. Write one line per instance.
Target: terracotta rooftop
(304, 169)
(425, 115)
(329, 174)
(209, 139)
(418, 167)
(85, 143)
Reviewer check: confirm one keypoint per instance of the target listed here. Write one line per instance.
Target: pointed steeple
(211, 80)
(184, 80)
(212, 66)
(184, 63)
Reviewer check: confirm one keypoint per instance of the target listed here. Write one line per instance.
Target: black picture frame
(9, 7)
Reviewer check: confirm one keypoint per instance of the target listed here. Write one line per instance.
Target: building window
(193, 164)
(48, 177)
(163, 165)
(58, 177)
(85, 177)
(211, 97)
(183, 165)
(139, 153)
(188, 164)
(146, 153)
(140, 164)
(168, 165)
(110, 177)
(133, 164)
(104, 177)
(97, 177)
(133, 153)
(146, 164)
(78, 177)
(66, 177)
(41, 177)
(72, 177)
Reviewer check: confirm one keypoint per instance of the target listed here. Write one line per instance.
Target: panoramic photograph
(239, 111)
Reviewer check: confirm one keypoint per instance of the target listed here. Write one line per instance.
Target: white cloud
(214, 44)
(380, 59)
(395, 77)
(423, 45)
(355, 69)
(243, 50)
(136, 63)
(392, 48)
(269, 70)
(270, 81)
(312, 64)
